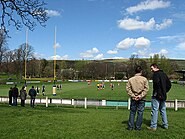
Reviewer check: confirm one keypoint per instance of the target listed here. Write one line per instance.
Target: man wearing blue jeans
(137, 88)
(161, 85)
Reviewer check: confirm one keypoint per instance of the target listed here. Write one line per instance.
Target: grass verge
(67, 122)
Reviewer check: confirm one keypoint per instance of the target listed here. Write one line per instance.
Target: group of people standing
(14, 93)
(137, 88)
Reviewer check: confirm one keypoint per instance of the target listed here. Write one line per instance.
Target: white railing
(89, 102)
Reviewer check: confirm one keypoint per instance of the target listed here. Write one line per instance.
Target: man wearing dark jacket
(15, 94)
(161, 85)
(32, 94)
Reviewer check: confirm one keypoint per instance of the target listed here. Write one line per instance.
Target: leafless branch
(22, 12)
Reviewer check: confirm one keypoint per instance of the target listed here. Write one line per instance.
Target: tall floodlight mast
(54, 78)
(54, 65)
(25, 61)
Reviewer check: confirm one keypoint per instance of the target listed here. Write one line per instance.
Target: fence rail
(89, 102)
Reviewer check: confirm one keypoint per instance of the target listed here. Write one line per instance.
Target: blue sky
(101, 29)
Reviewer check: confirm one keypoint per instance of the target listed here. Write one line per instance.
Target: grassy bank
(66, 122)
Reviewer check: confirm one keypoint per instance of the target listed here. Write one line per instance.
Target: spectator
(23, 96)
(15, 94)
(161, 85)
(32, 94)
(137, 88)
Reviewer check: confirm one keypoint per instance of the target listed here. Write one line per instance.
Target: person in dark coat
(32, 94)
(15, 94)
(23, 95)
(10, 96)
(161, 85)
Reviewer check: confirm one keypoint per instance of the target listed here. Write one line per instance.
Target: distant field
(78, 123)
(81, 90)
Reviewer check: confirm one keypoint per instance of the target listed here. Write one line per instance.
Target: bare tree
(3, 45)
(7, 62)
(27, 13)
(24, 52)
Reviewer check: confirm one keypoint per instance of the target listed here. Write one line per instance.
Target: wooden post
(46, 101)
(85, 103)
(176, 105)
(129, 104)
(72, 102)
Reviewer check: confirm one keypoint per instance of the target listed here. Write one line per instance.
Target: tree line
(12, 62)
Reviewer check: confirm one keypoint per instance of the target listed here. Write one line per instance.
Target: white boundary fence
(89, 102)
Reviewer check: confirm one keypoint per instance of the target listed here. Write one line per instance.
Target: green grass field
(67, 122)
(81, 90)
(78, 123)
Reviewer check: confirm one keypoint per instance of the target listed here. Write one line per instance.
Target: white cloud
(118, 58)
(142, 42)
(145, 53)
(180, 38)
(151, 54)
(65, 57)
(93, 50)
(126, 43)
(134, 53)
(98, 57)
(180, 16)
(169, 38)
(112, 52)
(57, 45)
(142, 53)
(163, 52)
(52, 13)
(38, 55)
(148, 5)
(135, 24)
(181, 46)
(89, 53)
(86, 55)
(166, 23)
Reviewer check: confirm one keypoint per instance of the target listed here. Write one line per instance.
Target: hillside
(180, 63)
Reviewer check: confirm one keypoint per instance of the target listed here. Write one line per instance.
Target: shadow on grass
(145, 122)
